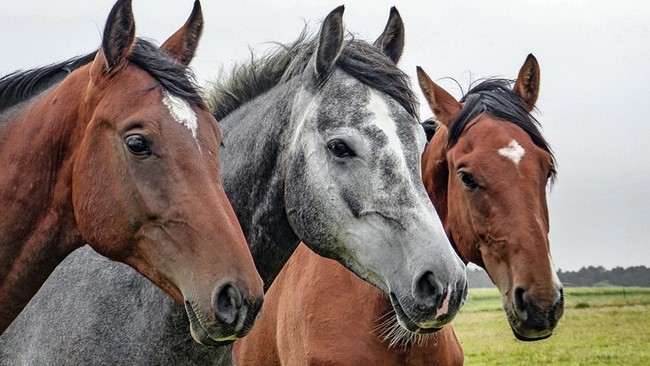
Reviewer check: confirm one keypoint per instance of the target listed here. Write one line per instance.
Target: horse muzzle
(530, 322)
(233, 313)
(433, 305)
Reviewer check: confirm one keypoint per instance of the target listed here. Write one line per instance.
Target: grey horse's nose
(226, 302)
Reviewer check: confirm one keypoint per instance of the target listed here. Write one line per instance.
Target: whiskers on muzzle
(390, 331)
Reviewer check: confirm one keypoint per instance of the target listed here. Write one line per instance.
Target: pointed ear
(182, 44)
(118, 39)
(330, 43)
(442, 104)
(527, 84)
(391, 41)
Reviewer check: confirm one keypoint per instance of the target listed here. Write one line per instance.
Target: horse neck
(37, 147)
(256, 136)
(37, 225)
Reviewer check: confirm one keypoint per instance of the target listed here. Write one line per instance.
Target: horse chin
(532, 338)
(405, 321)
(526, 334)
(200, 334)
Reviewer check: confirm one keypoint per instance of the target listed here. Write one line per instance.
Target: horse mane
(359, 59)
(496, 98)
(20, 86)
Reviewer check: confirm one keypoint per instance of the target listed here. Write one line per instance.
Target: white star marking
(513, 151)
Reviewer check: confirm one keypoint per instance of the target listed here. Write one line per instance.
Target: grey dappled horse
(322, 146)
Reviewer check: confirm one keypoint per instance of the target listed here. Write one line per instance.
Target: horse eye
(137, 145)
(467, 180)
(340, 149)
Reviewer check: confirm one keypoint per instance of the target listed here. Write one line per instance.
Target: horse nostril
(226, 303)
(426, 289)
(520, 303)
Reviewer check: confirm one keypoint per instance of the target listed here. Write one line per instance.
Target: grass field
(600, 326)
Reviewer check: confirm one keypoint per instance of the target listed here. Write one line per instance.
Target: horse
(486, 169)
(123, 157)
(321, 145)
(514, 249)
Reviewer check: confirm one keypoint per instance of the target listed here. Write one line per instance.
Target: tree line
(636, 276)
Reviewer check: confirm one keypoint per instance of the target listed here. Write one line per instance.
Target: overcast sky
(594, 57)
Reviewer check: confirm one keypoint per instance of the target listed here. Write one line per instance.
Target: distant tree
(597, 276)
(632, 276)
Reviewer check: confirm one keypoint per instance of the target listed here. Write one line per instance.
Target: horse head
(486, 169)
(353, 184)
(146, 186)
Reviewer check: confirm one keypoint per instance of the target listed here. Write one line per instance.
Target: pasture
(600, 326)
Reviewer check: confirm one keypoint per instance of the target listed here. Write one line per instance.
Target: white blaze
(513, 151)
(181, 112)
(385, 123)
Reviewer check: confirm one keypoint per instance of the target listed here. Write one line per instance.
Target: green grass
(600, 326)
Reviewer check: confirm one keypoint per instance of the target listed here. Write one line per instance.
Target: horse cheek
(95, 188)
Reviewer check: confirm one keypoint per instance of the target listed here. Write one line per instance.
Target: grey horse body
(368, 210)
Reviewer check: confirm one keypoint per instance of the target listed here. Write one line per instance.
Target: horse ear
(442, 104)
(118, 39)
(391, 41)
(527, 84)
(330, 42)
(182, 44)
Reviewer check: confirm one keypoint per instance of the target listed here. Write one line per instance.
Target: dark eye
(467, 180)
(137, 145)
(340, 149)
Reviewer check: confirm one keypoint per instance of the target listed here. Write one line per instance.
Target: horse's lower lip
(213, 343)
(405, 321)
(529, 339)
(526, 333)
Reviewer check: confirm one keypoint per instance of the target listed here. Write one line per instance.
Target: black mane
(21, 86)
(359, 59)
(496, 98)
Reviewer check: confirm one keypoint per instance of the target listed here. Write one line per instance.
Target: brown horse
(124, 156)
(486, 169)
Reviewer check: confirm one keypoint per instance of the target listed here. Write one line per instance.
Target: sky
(595, 73)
